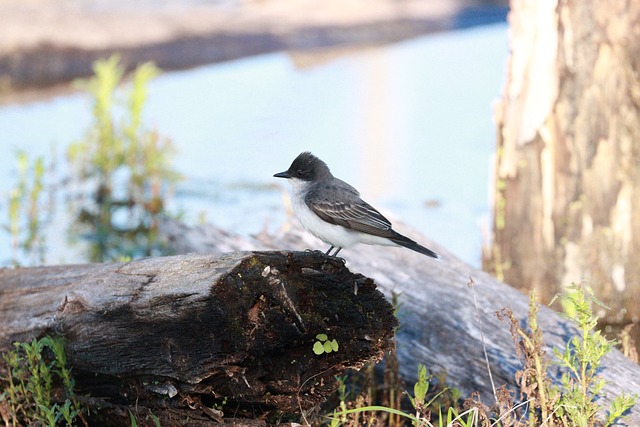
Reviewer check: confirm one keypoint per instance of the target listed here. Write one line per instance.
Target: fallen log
(447, 311)
(175, 336)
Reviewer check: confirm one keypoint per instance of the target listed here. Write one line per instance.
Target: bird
(333, 211)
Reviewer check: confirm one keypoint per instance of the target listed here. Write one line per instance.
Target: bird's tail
(406, 242)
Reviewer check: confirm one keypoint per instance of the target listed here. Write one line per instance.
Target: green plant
(419, 402)
(581, 359)
(30, 387)
(533, 379)
(134, 422)
(454, 419)
(387, 404)
(420, 389)
(132, 419)
(124, 168)
(26, 207)
(338, 420)
(323, 345)
(573, 402)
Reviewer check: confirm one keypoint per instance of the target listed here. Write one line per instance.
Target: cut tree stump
(175, 336)
(446, 322)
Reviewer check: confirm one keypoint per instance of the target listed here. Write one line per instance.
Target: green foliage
(339, 416)
(124, 168)
(581, 358)
(570, 402)
(573, 402)
(420, 389)
(120, 177)
(134, 421)
(414, 420)
(26, 207)
(453, 418)
(420, 418)
(323, 345)
(362, 409)
(29, 387)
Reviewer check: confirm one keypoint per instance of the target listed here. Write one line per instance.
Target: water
(409, 125)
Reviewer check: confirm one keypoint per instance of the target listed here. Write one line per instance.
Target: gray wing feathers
(349, 211)
(342, 205)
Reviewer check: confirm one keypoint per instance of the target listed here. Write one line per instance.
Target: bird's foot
(328, 254)
(315, 251)
(340, 259)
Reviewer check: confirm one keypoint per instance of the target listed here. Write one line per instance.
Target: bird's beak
(284, 174)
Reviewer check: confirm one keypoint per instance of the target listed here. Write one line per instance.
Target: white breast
(331, 234)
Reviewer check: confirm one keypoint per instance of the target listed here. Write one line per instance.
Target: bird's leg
(335, 254)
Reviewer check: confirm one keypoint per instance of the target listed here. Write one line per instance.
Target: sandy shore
(47, 42)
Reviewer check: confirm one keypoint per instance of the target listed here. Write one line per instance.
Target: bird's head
(306, 167)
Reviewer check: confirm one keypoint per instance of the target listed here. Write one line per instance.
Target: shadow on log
(442, 318)
(177, 335)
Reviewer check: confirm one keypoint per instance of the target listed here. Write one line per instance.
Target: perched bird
(333, 211)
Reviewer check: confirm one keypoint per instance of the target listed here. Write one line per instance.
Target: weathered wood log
(176, 333)
(442, 318)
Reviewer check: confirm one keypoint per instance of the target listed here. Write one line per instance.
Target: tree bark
(445, 321)
(567, 188)
(167, 335)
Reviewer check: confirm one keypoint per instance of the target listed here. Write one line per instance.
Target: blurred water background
(409, 125)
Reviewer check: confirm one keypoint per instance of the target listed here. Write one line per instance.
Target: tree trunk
(167, 335)
(445, 322)
(567, 187)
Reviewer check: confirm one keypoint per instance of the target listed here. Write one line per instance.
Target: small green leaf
(318, 348)
(422, 385)
(156, 420)
(327, 347)
(321, 337)
(334, 345)
(132, 418)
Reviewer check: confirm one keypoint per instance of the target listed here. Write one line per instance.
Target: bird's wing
(343, 206)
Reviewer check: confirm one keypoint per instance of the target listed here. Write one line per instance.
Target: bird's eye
(299, 173)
